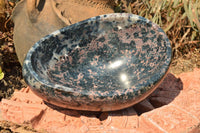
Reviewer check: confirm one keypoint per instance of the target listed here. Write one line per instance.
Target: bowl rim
(29, 68)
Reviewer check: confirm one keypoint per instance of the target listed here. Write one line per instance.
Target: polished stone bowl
(104, 63)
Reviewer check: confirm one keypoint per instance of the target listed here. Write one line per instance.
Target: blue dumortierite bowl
(104, 63)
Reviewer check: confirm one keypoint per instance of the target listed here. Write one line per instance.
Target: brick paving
(174, 107)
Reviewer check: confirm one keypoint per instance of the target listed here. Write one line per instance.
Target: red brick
(148, 126)
(171, 119)
(144, 106)
(191, 79)
(181, 113)
(189, 101)
(20, 112)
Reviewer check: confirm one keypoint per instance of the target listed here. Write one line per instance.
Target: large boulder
(34, 19)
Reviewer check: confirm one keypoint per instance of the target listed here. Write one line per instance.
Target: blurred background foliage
(10, 69)
(180, 19)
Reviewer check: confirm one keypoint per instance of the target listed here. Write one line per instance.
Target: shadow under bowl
(104, 63)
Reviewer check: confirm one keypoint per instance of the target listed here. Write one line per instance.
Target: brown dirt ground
(13, 71)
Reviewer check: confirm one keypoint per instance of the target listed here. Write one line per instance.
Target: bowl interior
(103, 53)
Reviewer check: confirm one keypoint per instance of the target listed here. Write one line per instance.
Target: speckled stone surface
(104, 63)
